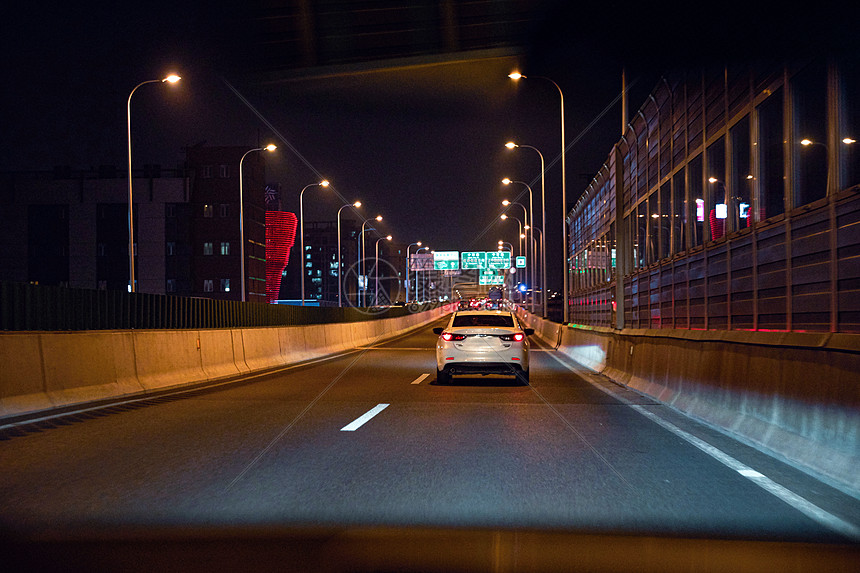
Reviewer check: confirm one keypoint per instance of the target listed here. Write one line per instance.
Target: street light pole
(173, 78)
(357, 204)
(362, 267)
(512, 145)
(407, 267)
(269, 148)
(416, 273)
(566, 310)
(323, 183)
(376, 268)
(529, 244)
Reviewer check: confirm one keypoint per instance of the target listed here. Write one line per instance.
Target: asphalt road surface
(368, 440)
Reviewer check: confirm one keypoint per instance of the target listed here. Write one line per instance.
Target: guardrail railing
(26, 307)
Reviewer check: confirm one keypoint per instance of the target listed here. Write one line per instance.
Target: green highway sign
(499, 260)
(484, 280)
(473, 260)
(521, 262)
(446, 260)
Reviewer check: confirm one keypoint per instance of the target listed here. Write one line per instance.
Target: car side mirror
(438, 330)
(529, 331)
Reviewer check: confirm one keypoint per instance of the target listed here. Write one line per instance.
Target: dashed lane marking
(420, 379)
(364, 418)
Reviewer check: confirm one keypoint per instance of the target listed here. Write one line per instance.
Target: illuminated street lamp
(407, 267)
(530, 217)
(271, 147)
(172, 79)
(566, 316)
(512, 145)
(416, 273)
(356, 205)
(323, 183)
(376, 267)
(362, 266)
(504, 217)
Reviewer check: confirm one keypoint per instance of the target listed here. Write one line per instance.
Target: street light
(407, 267)
(356, 205)
(376, 267)
(566, 311)
(504, 217)
(362, 267)
(512, 145)
(416, 273)
(323, 183)
(531, 221)
(172, 79)
(271, 147)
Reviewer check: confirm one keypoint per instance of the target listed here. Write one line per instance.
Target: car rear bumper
(482, 368)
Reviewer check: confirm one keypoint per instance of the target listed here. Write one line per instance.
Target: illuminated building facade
(70, 228)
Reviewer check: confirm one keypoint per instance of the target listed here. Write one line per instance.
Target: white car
(481, 343)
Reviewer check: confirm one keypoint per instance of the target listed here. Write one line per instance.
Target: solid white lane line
(420, 379)
(364, 418)
(799, 503)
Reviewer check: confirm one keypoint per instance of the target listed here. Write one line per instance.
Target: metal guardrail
(26, 307)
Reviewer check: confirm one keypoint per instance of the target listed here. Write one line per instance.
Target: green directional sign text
(499, 260)
(473, 260)
(446, 260)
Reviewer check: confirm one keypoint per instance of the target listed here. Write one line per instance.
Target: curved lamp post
(323, 183)
(512, 145)
(173, 78)
(407, 267)
(376, 268)
(362, 267)
(356, 205)
(416, 272)
(269, 148)
(566, 311)
(531, 222)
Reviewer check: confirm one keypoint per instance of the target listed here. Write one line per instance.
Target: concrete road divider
(794, 394)
(43, 371)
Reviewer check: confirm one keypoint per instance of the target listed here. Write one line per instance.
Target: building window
(170, 210)
(208, 285)
(208, 211)
(171, 285)
(225, 285)
(207, 248)
(171, 249)
(223, 171)
(206, 172)
(101, 249)
(224, 210)
(102, 285)
(225, 248)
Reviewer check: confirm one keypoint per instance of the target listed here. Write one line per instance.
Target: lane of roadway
(368, 439)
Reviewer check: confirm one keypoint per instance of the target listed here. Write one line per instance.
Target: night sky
(423, 146)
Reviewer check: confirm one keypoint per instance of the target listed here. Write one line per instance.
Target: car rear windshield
(504, 320)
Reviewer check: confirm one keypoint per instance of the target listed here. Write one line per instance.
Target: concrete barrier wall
(796, 394)
(49, 370)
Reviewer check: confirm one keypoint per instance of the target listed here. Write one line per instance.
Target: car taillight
(448, 336)
(516, 337)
